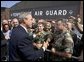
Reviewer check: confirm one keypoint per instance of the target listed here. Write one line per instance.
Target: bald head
(15, 20)
(5, 22)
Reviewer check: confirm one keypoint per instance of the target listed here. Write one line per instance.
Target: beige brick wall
(5, 14)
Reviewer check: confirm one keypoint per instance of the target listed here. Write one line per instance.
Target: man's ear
(34, 43)
(23, 20)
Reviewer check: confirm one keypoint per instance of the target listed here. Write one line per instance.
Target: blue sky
(8, 4)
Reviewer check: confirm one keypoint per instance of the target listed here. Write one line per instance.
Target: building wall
(40, 12)
(78, 9)
(5, 14)
(81, 11)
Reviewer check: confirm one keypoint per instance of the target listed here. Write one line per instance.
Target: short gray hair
(23, 16)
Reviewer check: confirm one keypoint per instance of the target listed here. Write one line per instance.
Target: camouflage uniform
(40, 34)
(63, 43)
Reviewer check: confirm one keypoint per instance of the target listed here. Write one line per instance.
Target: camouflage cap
(38, 39)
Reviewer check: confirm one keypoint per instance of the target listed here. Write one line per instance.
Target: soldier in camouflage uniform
(40, 32)
(63, 44)
(47, 29)
(74, 37)
(40, 36)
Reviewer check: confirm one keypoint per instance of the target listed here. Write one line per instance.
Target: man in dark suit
(20, 44)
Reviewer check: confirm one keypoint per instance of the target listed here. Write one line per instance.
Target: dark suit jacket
(21, 47)
(2, 36)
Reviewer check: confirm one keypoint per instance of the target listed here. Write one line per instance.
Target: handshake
(45, 45)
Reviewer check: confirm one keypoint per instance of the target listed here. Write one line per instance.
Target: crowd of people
(28, 39)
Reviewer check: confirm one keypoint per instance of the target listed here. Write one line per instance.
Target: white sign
(47, 13)
(56, 12)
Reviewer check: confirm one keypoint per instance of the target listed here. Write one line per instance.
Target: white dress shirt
(24, 28)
